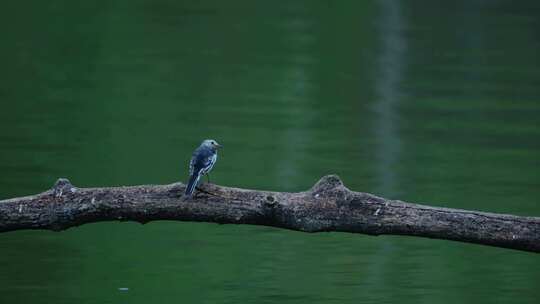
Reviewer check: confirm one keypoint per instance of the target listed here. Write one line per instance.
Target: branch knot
(63, 185)
(327, 183)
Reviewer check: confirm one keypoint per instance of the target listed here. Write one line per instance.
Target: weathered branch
(328, 206)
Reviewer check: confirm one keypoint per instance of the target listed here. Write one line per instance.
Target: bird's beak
(218, 146)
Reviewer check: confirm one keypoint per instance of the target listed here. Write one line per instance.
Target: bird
(202, 161)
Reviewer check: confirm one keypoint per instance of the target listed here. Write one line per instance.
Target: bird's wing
(209, 163)
(201, 159)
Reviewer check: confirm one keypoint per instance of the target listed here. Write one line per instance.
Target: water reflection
(388, 89)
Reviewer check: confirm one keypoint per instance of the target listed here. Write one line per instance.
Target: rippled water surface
(435, 102)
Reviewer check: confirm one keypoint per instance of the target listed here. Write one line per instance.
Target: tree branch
(328, 206)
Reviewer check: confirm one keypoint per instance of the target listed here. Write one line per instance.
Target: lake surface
(435, 102)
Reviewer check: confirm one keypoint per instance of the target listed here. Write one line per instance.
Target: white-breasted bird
(202, 161)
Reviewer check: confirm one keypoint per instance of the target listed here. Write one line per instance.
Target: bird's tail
(193, 180)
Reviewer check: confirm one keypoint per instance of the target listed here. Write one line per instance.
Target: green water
(423, 101)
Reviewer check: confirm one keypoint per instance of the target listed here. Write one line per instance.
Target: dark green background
(423, 101)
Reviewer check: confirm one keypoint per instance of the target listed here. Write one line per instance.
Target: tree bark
(327, 206)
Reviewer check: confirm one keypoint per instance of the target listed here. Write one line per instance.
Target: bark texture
(327, 206)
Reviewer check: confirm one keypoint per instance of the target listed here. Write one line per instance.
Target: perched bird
(202, 161)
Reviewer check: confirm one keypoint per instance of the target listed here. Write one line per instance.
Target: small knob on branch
(63, 185)
(328, 183)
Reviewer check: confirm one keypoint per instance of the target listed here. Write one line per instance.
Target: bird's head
(210, 143)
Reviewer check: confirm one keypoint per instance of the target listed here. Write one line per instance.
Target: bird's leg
(208, 177)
